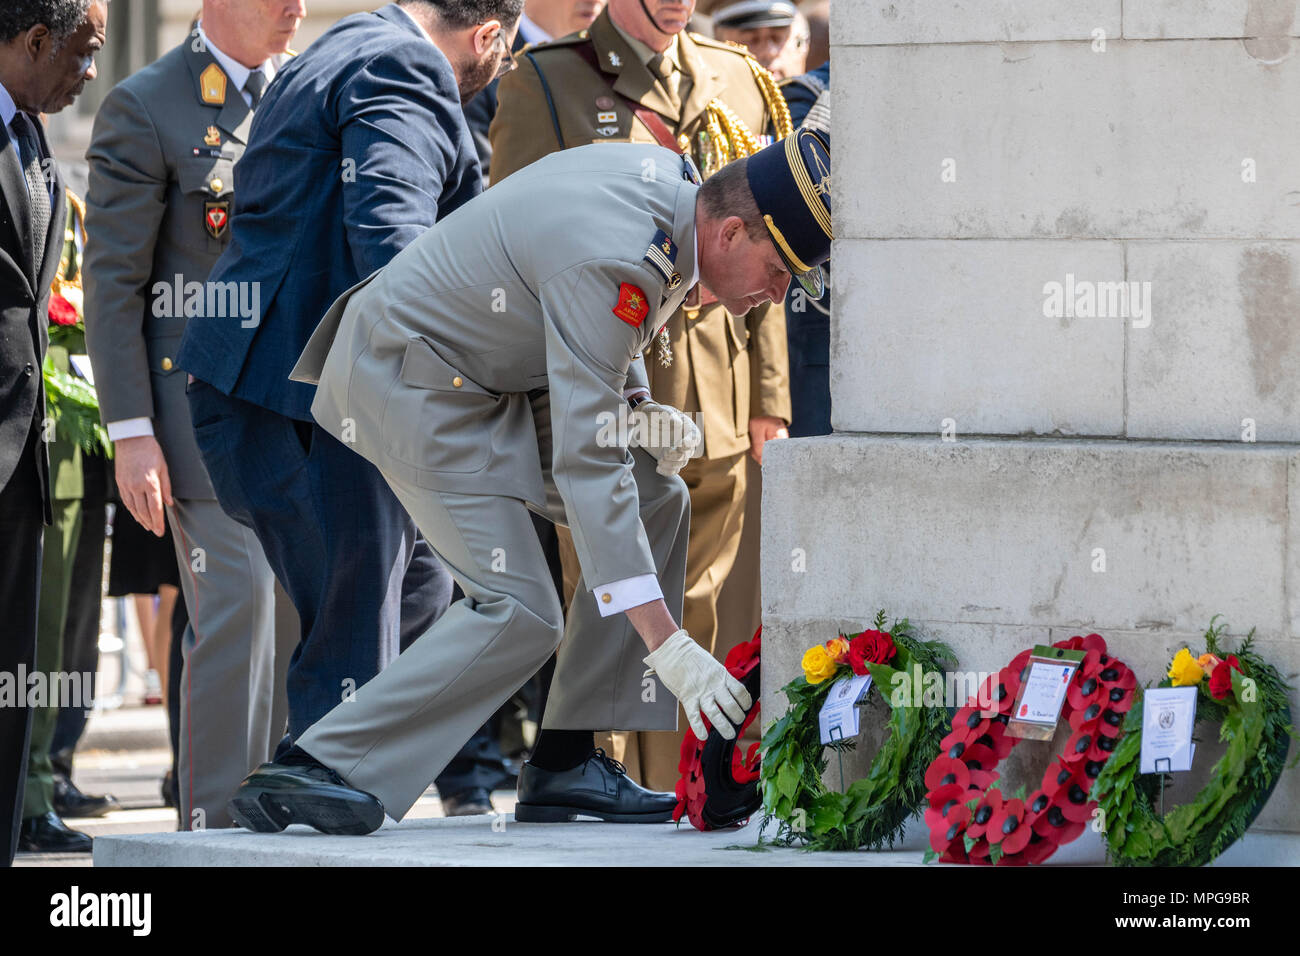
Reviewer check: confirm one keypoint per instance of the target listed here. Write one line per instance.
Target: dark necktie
(669, 77)
(256, 86)
(29, 151)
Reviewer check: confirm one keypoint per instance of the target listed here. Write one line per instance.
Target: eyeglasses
(507, 58)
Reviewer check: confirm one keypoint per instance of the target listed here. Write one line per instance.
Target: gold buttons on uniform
(457, 381)
(606, 597)
(166, 365)
(217, 185)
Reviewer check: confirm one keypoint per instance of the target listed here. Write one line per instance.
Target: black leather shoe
(71, 802)
(49, 834)
(276, 795)
(598, 787)
(468, 803)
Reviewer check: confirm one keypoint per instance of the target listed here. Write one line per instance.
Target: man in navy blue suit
(808, 320)
(357, 147)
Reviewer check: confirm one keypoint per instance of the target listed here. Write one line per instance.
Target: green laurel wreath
(1258, 733)
(73, 405)
(873, 811)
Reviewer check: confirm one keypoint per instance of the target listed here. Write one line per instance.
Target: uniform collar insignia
(212, 85)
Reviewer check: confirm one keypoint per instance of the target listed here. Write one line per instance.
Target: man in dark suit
(47, 51)
(357, 147)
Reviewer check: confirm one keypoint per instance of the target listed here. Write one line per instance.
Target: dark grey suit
(24, 466)
(161, 192)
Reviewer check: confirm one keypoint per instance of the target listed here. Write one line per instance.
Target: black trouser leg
(22, 522)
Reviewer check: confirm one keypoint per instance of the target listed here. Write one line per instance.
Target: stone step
(476, 841)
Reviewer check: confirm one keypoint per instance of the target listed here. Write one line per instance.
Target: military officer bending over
(478, 371)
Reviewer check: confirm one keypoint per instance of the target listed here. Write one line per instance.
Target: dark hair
(62, 17)
(727, 193)
(458, 14)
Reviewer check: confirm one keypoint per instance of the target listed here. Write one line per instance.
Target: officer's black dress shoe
(305, 791)
(598, 787)
(69, 801)
(468, 803)
(49, 834)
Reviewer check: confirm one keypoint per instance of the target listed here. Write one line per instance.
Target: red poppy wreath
(972, 821)
(718, 788)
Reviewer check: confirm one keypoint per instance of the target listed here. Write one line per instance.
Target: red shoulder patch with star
(633, 306)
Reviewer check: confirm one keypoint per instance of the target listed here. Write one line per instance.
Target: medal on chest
(664, 347)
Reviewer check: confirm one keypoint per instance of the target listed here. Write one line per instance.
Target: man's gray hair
(61, 17)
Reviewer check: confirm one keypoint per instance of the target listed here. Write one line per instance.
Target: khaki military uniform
(724, 369)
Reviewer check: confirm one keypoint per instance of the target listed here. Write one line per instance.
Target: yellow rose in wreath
(1185, 671)
(818, 665)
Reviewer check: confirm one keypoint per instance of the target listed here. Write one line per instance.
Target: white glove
(702, 684)
(669, 435)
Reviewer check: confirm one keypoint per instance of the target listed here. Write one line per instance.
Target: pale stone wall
(1169, 157)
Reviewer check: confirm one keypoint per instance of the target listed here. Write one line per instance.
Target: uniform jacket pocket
(437, 419)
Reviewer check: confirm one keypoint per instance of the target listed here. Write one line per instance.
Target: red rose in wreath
(1221, 677)
(62, 312)
(870, 647)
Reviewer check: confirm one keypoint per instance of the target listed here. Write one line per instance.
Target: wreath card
(1168, 716)
(1042, 692)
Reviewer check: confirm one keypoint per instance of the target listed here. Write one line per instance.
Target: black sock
(296, 756)
(562, 749)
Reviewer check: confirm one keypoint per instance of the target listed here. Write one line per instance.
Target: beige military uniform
(724, 369)
(475, 371)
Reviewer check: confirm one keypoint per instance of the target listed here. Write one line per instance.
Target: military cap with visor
(791, 183)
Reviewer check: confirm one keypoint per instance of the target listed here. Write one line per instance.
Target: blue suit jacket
(357, 147)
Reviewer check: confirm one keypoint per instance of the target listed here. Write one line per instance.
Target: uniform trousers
(407, 723)
(85, 600)
(22, 521)
(717, 489)
(229, 647)
(56, 582)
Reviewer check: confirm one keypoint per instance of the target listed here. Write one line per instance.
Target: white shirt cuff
(129, 428)
(636, 390)
(618, 596)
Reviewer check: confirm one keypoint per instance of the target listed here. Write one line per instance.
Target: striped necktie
(29, 151)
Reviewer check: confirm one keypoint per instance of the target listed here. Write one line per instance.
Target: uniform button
(457, 381)
(216, 185)
(166, 365)
(606, 597)
(27, 369)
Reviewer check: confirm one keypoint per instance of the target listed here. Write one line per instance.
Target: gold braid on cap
(729, 137)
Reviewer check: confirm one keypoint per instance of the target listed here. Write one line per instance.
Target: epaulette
(573, 39)
(662, 256)
(728, 45)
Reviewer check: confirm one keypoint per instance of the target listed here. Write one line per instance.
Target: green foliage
(873, 811)
(1258, 734)
(72, 404)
